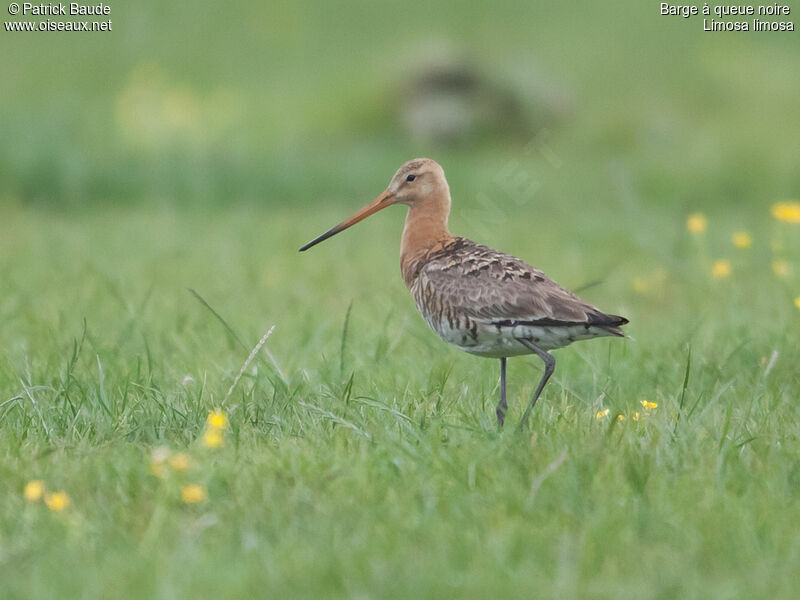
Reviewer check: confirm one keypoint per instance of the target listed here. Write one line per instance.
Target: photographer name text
(59, 8)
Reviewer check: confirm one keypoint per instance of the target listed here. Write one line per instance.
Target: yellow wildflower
(788, 211)
(637, 416)
(180, 461)
(194, 493)
(640, 285)
(602, 413)
(620, 417)
(648, 405)
(217, 419)
(696, 223)
(721, 268)
(33, 490)
(797, 302)
(56, 501)
(742, 239)
(213, 438)
(781, 268)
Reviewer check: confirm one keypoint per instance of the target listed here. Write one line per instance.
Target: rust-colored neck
(426, 227)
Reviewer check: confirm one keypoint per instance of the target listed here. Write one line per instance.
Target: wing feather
(485, 284)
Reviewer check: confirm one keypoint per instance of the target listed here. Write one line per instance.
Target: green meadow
(156, 181)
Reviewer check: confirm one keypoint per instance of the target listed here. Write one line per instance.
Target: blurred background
(201, 131)
(287, 104)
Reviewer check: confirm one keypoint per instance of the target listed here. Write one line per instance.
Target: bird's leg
(549, 367)
(502, 406)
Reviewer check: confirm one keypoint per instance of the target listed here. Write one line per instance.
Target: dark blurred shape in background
(449, 102)
(450, 97)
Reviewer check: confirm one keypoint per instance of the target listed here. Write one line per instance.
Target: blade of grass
(344, 338)
(336, 419)
(686, 378)
(101, 385)
(219, 318)
(247, 362)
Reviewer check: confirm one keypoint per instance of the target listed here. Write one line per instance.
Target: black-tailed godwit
(480, 300)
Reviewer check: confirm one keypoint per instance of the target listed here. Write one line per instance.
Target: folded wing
(491, 286)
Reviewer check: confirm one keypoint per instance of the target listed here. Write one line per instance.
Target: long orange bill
(381, 202)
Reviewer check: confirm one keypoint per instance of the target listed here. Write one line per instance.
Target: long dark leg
(549, 367)
(502, 406)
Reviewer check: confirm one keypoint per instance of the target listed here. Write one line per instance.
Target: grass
(361, 457)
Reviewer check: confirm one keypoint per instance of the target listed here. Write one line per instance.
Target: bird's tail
(612, 324)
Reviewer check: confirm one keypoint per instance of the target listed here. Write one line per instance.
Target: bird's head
(419, 182)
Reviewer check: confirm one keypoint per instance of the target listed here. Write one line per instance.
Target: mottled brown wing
(486, 284)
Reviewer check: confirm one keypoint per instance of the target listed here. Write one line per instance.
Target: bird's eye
(411, 178)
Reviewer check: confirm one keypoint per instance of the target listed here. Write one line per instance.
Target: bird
(480, 300)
